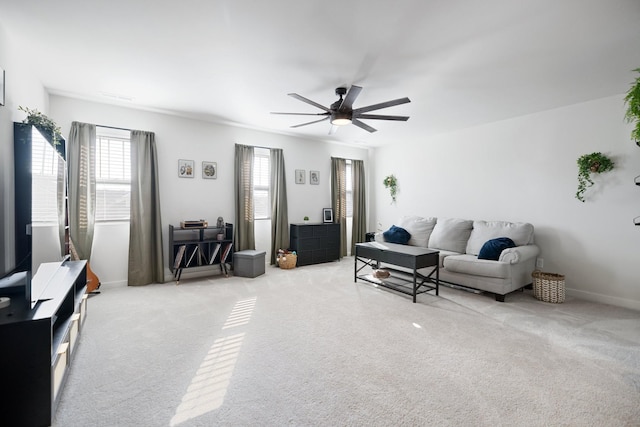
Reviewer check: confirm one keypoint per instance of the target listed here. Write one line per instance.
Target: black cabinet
(315, 243)
(200, 247)
(38, 345)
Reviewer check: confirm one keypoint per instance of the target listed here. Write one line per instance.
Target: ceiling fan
(342, 113)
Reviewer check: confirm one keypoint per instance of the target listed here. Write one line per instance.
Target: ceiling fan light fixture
(340, 119)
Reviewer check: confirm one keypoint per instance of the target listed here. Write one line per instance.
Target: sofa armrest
(519, 254)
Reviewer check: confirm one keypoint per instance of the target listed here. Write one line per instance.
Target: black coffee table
(411, 257)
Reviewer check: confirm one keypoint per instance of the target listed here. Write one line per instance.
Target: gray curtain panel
(339, 199)
(145, 233)
(61, 199)
(279, 216)
(359, 229)
(244, 234)
(81, 160)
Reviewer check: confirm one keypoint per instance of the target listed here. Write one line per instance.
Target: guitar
(93, 282)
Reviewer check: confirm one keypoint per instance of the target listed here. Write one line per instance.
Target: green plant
(43, 123)
(632, 101)
(391, 183)
(588, 164)
(306, 218)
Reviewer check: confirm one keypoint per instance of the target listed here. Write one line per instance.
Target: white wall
(197, 198)
(524, 169)
(21, 89)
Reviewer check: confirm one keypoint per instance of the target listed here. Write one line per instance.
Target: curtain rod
(113, 127)
(258, 146)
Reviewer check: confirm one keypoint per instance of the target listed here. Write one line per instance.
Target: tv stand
(38, 345)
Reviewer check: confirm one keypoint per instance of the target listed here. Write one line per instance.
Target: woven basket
(288, 261)
(548, 287)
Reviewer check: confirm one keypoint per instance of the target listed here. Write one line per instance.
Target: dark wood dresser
(315, 243)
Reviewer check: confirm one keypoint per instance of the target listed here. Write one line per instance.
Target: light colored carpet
(309, 346)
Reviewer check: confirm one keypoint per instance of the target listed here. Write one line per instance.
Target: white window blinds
(261, 183)
(44, 173)
(349, 182)
(113, 175)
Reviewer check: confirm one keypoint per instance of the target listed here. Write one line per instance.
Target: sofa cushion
(494, 247)
(520, 232)
(470, 264)
(396, 235)
(450, 234)
(420, 229)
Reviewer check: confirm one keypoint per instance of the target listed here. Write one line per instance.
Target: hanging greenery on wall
(588, 164)
(42, 123)
(391, 183)
(632, 115)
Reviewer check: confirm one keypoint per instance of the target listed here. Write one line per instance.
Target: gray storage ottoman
(248, 263)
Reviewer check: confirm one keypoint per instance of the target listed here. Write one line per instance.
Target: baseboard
(604, 299)
(114, 283)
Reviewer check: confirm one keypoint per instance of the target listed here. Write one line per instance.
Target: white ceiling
(461, 62)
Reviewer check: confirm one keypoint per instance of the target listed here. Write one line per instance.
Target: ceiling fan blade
(363, 125)
(381, 105)
(301, 114)
(381, 117)
(347, 103)
(310, 123)
(308, 101)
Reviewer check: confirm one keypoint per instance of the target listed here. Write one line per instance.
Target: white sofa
(459, 242)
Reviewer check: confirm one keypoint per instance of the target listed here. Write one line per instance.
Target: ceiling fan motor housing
(340, 117)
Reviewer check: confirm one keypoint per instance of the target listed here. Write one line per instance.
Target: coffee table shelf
(411, 257)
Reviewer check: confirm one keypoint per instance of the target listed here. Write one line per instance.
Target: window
(113, 175)
(44, 172)
(261, 182)
(349, 182)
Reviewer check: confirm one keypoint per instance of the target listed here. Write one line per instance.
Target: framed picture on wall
(300, 176)
(185, 168)
(314, 177)
(209, 170)
(327, 215)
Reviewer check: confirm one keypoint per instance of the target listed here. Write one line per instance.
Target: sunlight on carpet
(209, 386)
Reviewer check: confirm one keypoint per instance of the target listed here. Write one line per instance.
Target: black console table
(38, 346)
(410, 257)
(315, 243)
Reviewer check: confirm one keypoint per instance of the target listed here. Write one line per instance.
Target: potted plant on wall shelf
(632, 101)
(588, 164)
(305, 219)
(391, 183)
(43, 124)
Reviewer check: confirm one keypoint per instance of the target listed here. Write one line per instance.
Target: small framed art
(327, 215)
(314, 177)
(300, 176)
(185, 168)
(209, 170)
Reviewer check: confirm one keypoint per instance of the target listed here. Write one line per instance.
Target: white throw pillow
(520, 232)
(451, 234)
(420, 229)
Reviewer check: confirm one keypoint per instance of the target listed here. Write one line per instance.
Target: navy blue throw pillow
(494, 247)
(396, 235)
